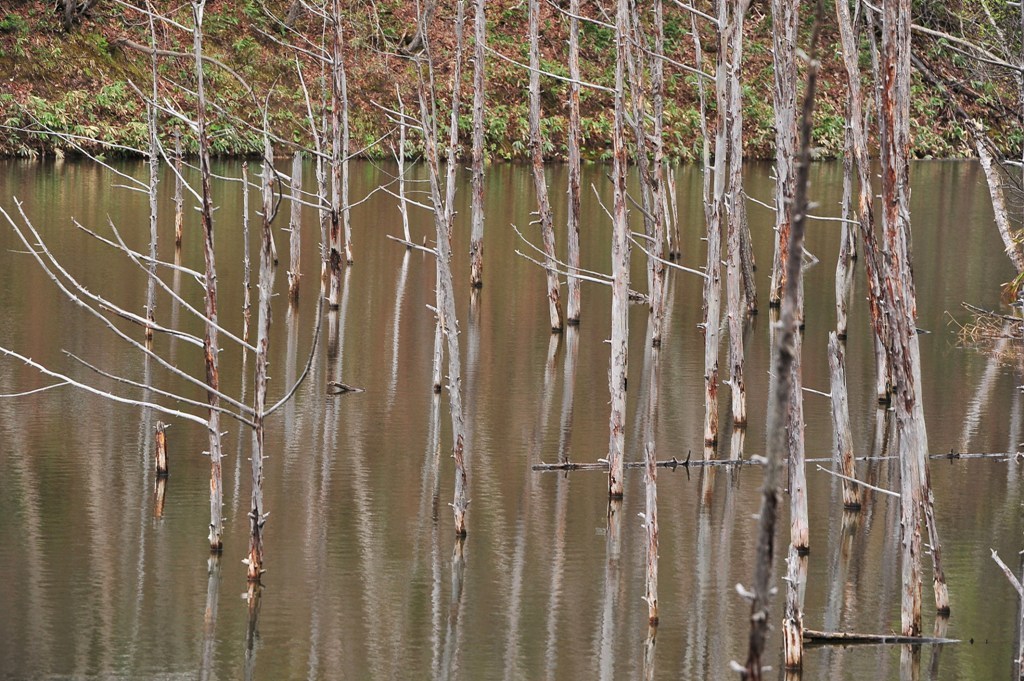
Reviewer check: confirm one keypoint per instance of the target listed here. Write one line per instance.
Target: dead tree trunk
(900, 307)
(793, 623)
(448, 204)
(784, 35)
(323, 212)
(346, 145)
(161, 450)
(857, 125)
(847, 238)
(995, 190)
(539, 183)
(418, 41)
(476, 244)
(575, 134)
(210, 344)
(651, 531)
(843, 452)
(620, 264)
(783, 365)
(295, 229)
(159, 497)
(657, 176)
(671, 213)
(69, 14)
(650, 516)
(895, 223)
(732, 120)
(246, 268)
(1018, 662)
(799, 525)
(257, 516)
(179, 202)
(337, 151)
(443, 216)
(154, 181)
(400, 157)
(713, 283)
(649, 152)
(848, 235)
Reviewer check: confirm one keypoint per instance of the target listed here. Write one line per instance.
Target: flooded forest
(550, 371)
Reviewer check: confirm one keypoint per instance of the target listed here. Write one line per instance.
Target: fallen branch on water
(336, 388)
(986, 328)
(859, 482)
(413, 244)
(847, 638)
(754, 460)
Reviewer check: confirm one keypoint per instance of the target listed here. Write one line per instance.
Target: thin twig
(859, 482)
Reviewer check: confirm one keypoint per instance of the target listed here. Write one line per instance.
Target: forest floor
(83, 82)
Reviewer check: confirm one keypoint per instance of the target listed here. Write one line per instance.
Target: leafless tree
(539, 182)
(620, 262)
(786, 354)
(444, 213)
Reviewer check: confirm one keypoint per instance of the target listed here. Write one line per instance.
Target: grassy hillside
(83, 82)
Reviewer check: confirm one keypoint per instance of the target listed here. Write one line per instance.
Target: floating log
(336, 388)
(822, 638)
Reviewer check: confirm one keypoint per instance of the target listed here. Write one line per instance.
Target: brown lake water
(97, 582)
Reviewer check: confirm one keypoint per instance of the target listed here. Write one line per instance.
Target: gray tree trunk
(785, 22)
(337, 151)
(178, 200)
(443, 216)
(295, 229)
(843, 452)
(257, 516)
(575, 134)
(786, 357)
(210, 345)
(476, 244)
(733, 122)
(620, 264)
(717, 218)
(539, 183)
(900, 307)
(246, 266)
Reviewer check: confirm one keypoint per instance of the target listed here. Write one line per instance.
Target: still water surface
(98, 580)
